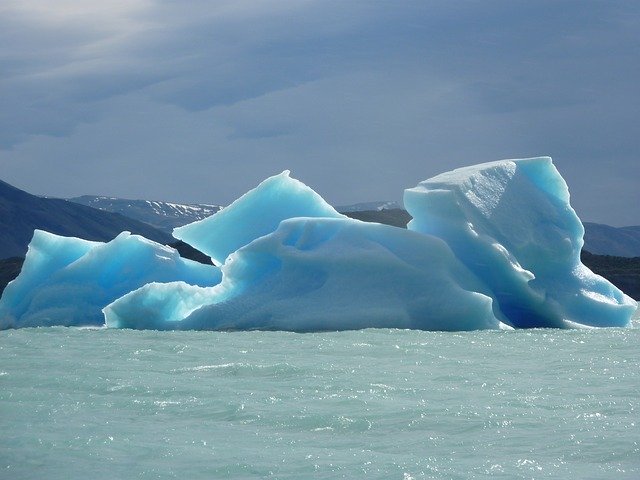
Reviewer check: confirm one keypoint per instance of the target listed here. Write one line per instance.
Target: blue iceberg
(495, 245)
(510, 223)
(67, 281)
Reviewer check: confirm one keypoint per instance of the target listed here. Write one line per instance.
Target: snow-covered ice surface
(491, 246)
(67, 281)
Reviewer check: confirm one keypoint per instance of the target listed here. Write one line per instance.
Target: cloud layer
(199, 101)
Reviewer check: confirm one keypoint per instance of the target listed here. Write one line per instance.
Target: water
(386, 404)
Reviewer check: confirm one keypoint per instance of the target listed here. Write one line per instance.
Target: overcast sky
(198, 101)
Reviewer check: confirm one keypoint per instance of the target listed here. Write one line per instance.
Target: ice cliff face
(510, 223)
(491, 246)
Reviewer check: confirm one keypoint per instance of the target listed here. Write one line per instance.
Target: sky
(198, 101)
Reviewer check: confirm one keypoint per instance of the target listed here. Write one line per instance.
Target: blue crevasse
(67, 281)
(510, 222)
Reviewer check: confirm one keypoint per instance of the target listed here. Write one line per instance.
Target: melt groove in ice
(495, 245)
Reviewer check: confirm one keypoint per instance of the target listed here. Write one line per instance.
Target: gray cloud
(199, 101)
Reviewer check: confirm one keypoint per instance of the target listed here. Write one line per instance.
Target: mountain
(606, 240)
(164, 216)
(21, 213)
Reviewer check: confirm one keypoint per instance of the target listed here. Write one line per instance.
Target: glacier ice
(67, 281)
(257, 213)
(316, 274)
(157, 305)
(510, 222)
(495, 245)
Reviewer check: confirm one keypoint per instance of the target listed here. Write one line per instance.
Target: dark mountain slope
(21, 213)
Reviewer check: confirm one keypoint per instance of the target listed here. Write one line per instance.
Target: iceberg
(67, 281)
(510, 223)
(315, 274)
(257, 213)
(492, 246)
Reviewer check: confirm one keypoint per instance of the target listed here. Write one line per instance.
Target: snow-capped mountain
(162, 215)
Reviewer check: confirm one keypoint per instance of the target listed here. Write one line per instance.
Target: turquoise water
(363, 404)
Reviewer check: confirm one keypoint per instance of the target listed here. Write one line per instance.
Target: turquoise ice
(495, 245)
(67, 281)
(510, 222)
(256, 213)
(315, 274)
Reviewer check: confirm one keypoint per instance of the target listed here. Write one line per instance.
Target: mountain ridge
(164, 216)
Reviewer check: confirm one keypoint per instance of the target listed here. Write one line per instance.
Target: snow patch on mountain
(163, 215)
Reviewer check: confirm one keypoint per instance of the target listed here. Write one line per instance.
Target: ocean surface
(387, 404)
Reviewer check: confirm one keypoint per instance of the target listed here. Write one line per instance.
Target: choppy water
(363, 404)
